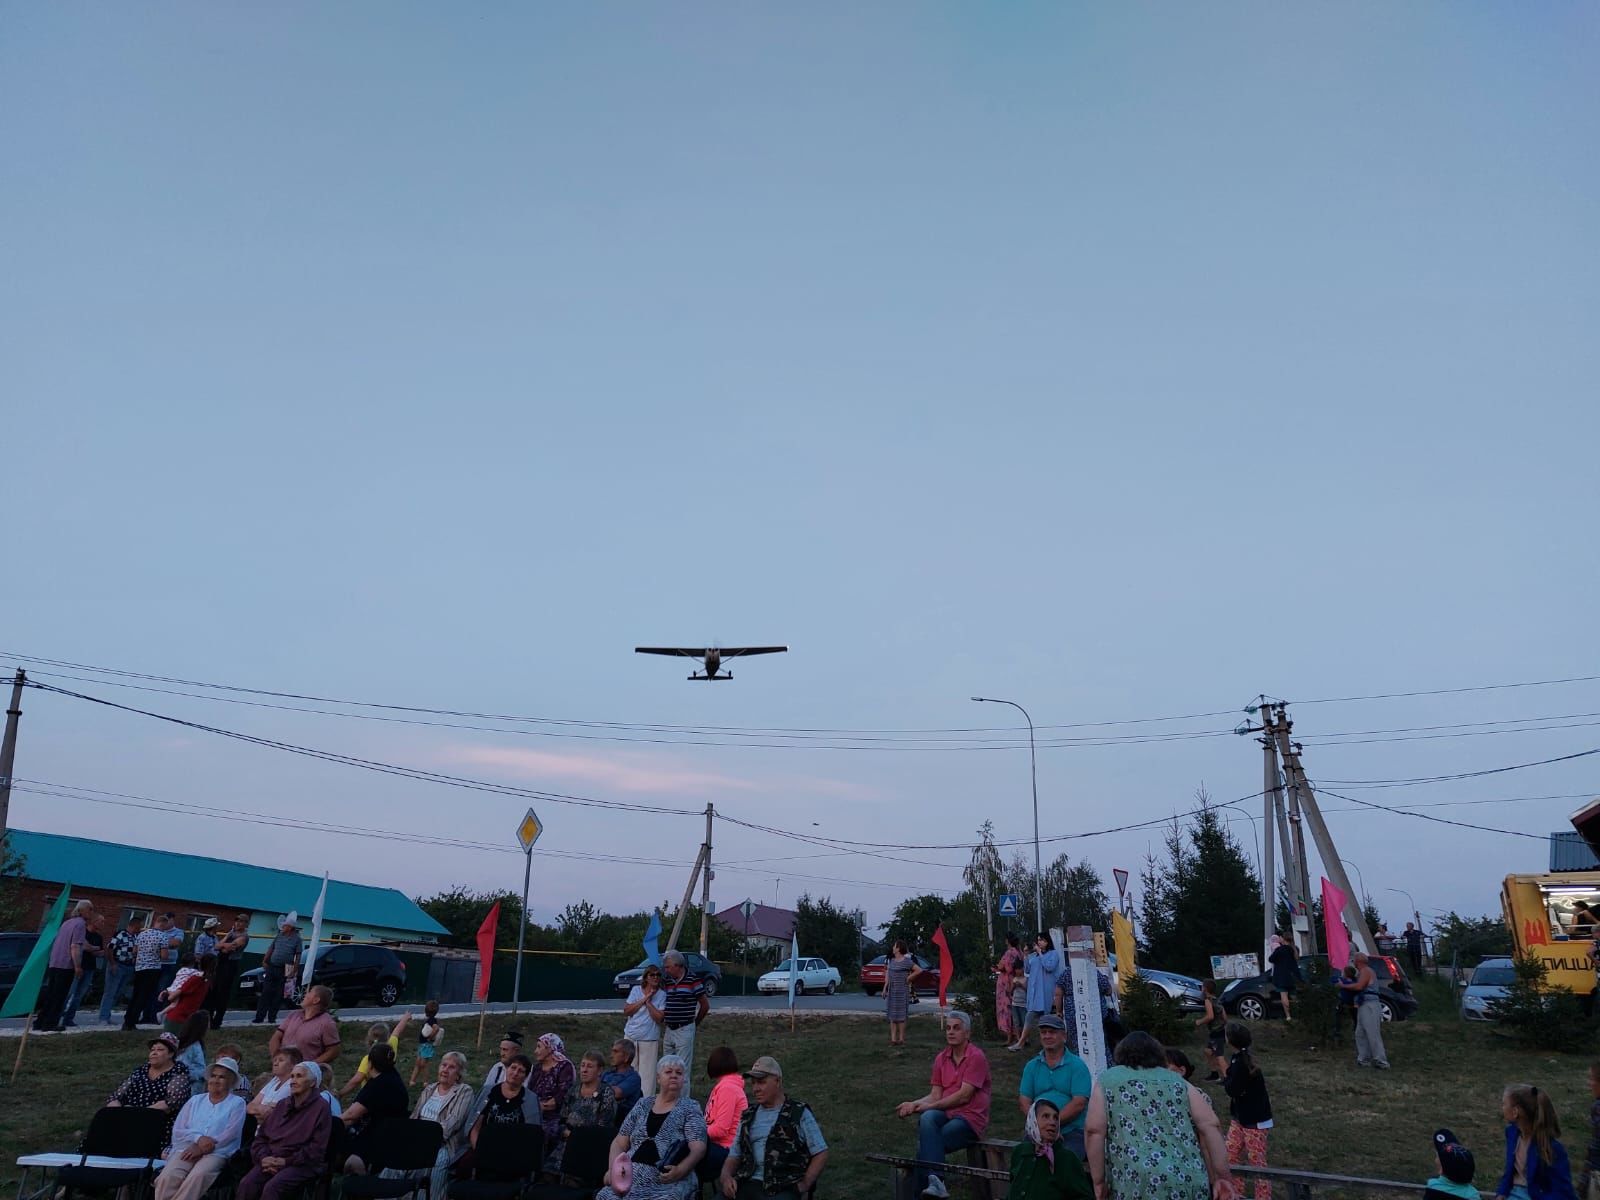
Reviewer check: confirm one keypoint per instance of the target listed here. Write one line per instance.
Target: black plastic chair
(398, 1144)
(321, 1187)
(587, 1158)
(505, 1161)
(133, 1133)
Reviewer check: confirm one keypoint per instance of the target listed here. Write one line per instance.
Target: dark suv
(14, 951)
(698, 966)
(355, 973)
(1256, 999)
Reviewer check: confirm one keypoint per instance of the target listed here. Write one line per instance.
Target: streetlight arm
(1033, 764)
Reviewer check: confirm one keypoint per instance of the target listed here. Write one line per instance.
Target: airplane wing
(675, 651)
(737, 651)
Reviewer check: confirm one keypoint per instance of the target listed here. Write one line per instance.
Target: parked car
(698, 965)
(1487, 984)
(1182, 990)
(355, 973)
(1256, 999)
(14, 951)
(815, 976)
(872, 976)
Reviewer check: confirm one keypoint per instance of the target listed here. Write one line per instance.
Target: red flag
(1333, 922)
(486, 949)
(947, 964)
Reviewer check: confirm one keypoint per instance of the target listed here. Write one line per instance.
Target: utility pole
(683, 905)
(705, 890)
(1269, 873)
(8, 750)
(1300, 790)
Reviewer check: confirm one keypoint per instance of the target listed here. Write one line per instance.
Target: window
(341, 937)
(131, 914)
(197, 922)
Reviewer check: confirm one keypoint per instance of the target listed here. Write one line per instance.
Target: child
(1250, 1109)
(1589, 1181)
(1214, 1021)
(1536, 1163)
(1454, 1180)
(377, 1033)
(428, 1044)
(1347, 1004)
(1178, 1062)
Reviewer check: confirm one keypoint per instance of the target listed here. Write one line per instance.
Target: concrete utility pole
(705, 890)
(1269, 874)
(683, 905)
(8, 750)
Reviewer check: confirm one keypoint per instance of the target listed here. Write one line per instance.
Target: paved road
(844, 1002)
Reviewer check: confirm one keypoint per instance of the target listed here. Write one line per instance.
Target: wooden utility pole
(683, 905)
(8, 750)
(1269, 872)
(705, 889)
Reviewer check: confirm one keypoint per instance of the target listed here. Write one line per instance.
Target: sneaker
(936, 1188)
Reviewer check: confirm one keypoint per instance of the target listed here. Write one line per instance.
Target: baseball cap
(763, 1067)
(1051, 1021)
(212, 923)
(1455, 1160)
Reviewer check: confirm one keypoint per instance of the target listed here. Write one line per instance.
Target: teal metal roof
(107, 866)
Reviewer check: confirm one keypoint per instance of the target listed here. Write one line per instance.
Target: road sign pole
(522, 932)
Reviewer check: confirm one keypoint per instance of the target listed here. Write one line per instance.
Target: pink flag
(1333, 923)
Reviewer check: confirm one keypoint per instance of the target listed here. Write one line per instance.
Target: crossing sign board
(1008, 904)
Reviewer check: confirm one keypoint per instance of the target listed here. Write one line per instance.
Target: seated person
(242, 1086)
(623, 1080)
(779, 1151)
(276, 1085)
(1456, 1169)
(383, 1096)
(588, 1103)
(161, 1082)
(724, 1106)
(507, 1102)
(955, 1112)
(1042, 1168)
(291, 1144)
(1058, 1075)
(204, 1137)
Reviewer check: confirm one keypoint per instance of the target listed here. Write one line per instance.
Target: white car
(815, 976)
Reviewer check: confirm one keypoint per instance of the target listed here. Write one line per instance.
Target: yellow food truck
(1555, 918)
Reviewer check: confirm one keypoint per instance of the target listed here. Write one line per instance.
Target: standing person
(1058, 1075)
(171, 952)
(779, 1151)
(899, 970)
(204, 1137)
(724, 1107)
(94, 961)
(377, 1032)
(1413, 939)
(643, 1027)
(510, 1047)
(1589, 1181)
(120, 955)
(282, 956)
(233, 942)
(955, 1112)
(1043, 968)
(1214, 1020)
(1285, 967)
(625, 1083)
(428, 1039)
(1041, 1167)
(685, 1007)
(1369, 1014)
(146, 974)
(310, 1028)
(291, 1143)
(1249, 1108)
(66, 964)
(1536, 1162)
(550, 1080)
(657, 1127)
(205, 942)
(1150, 1135)
(1005, 972)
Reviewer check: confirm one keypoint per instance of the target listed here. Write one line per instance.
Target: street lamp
(1412, 902)
(1033, 762)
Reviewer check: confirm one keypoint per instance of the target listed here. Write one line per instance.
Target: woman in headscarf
(667, 1128)
(1042, 1168)
(552, 1078)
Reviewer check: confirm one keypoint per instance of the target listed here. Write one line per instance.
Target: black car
(14, 951)
(698, 966)
(355, 973)
(1256, 999)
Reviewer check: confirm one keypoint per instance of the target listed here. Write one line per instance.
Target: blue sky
(1126, 363)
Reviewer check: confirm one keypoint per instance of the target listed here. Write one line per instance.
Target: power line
(1416, 781)
(1401, 812)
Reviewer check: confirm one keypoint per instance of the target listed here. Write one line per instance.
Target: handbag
(620, 1178)
(676, 1153)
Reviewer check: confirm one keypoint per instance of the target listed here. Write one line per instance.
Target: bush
(1542, 1017)
(967, 994)
(1316, 1002)
(1147, 1007)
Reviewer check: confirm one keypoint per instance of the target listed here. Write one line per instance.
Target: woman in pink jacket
(724, 1107)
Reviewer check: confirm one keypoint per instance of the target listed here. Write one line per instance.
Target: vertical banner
(1084, 978)
(947, 965)
(486, 933)
(1127, 954)
(310, 963)
(652, 939)
(1333, 901)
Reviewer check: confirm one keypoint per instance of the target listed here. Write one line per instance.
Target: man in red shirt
(311, 1030)
(955, 1112)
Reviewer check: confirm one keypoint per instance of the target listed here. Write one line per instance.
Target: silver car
(1487, 983)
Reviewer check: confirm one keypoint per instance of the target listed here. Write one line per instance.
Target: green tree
(1470, 940)
(914, 921)
(583, 926)
(13, 869)
(1201, 897)
(462, 911)
(829, 932)
(1073, 892)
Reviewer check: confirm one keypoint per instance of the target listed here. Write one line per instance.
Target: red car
(927, 983)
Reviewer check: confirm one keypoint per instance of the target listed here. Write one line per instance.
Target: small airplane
(711, 656)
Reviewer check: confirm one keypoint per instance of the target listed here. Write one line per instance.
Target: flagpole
(22, 1045)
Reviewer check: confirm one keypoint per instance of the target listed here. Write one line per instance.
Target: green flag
(25, 992)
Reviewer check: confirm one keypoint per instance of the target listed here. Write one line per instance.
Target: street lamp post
(1033, 763)
(1365, 895)
(1415, 914)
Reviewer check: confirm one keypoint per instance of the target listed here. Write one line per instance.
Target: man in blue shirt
(622, 1079)
(1058, 1075)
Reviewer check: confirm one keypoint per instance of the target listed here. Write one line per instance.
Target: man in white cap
(778, 1152)
(205, 1135)
(281, 959)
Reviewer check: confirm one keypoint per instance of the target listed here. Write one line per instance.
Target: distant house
(124, 881)
(769, 927)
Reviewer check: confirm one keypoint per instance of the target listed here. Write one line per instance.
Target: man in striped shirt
(684, 1007)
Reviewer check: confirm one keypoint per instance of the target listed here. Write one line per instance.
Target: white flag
(309, 963)
(794, 965)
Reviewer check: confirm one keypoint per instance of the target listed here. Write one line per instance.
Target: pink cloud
(625, 773)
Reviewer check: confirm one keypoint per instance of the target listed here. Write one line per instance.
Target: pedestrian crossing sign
(1008, 904)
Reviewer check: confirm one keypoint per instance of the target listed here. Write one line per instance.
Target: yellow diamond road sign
(528, 832)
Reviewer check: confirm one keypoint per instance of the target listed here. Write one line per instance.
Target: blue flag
(652, 936)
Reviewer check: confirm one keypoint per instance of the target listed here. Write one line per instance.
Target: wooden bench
(981, 1183)
(1303, 1185)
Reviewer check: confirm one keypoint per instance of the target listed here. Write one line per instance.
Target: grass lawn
(1330, 1115)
